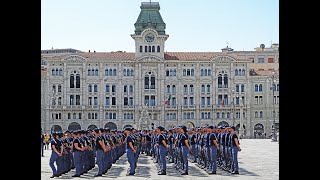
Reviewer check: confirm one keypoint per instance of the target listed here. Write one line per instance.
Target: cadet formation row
(208, 146)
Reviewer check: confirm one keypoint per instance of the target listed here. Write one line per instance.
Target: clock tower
(149, 34)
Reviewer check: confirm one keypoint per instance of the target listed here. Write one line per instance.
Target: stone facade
(110, 89)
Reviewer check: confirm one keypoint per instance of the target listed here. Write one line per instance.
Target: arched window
(79, 115)
(107, 88)
(110, 116)
(69, 115)
(113, 88)
(225, 79)
(95, 88)
(174, 72)
(188, 72)
(202, 115)
(208, 88)
(167, 72)
(74, 116)
(170, 74)
(53, 88)
(107, 72)
(205, 72)
(145, 48)
(53, 72)
(110, 72)
(219, 81)
(203, 88)
(260, 87)
(228, 115)
(149, 48)
(173, 88)
(131, 88)
(59, 88)
(218, 115)
(124, 72)
(78, 81)
(185, 88)
(60, 72)
(92, 72)
(192, 72)
(140, 48)
(153, 49)
(89, 72)
(184, 72)
(242, 87)
(209, 72)
(90, 88)
(96, 115)
(256, 114)
(59, 101)
(59, 115)
(243, 72)
(57, 72)
(158, 49)
(202, 73)
(114, 116)
(261, 114)
(222, 115)
(191, 115)
(132, 74)
(256, 88)
(168, 88)
(237, 87)
(191, 88)
(114, 72)
(106, 115)
(125, 88)
(72, 81)
(128, 72)
(89, 115)
(236, 72)
(96, 72)
(125, 116)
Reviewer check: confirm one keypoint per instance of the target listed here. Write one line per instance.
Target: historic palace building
(151, 86)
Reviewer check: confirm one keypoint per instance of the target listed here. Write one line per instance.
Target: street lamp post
(241, 117)
(273, 139)
(53, 99)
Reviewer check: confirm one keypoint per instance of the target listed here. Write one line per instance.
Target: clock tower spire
(149, 34)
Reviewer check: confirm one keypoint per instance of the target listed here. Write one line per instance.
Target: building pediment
(223, 59)
(74, 59)
(150, 59)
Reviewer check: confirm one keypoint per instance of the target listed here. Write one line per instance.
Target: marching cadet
(185, 148)
(227, 149)
(115, 149)
(213, 147)
(235, 147)
(148, 143)
(77, 149)
(60, 162)
(162, 145)
(56, 154)
(130, 150)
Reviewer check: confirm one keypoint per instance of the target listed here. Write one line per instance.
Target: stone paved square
(259, 159)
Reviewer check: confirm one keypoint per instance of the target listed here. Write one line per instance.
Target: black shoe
(162, 173)
(185, 173)
(53, 176)
(96, 175)
(75, 175)
(213, 172)
(235, 172)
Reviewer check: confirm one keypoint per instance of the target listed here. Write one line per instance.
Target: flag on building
(168, 99)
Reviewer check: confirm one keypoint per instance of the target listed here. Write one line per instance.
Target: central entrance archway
(190, 125)
(74, 126)
(92, 127)
(128, 125)
(111, 126)
(223, 123)
(56, 128)
(258, 130)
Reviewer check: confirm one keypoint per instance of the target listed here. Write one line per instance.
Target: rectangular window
(153, 82)
(71, 100)
(113, 100)
(77, 99)
(260, 60)
(174, 101)
(146, 100)
(131, 101)
(185, 101)
(270, 60)
(146, 82)
(95, 101)
(125, 101)
(191, 101)
(107, 101)
(208, 101)
(90, 101)
(153, 101)
(203, 101)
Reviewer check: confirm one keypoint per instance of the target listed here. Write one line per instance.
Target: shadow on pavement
(114, 172)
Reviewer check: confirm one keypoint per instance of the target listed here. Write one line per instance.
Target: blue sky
(197, 26)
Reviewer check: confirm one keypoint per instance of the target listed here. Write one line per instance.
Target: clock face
(149, 37)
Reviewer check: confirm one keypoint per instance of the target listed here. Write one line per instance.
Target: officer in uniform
(213, 147)
(130, 150)
(170, 143)
(77, 150)
(193, 140)
(56, 154)
(185, 148)
(235, 147)
(100, 149)
(162, 145)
